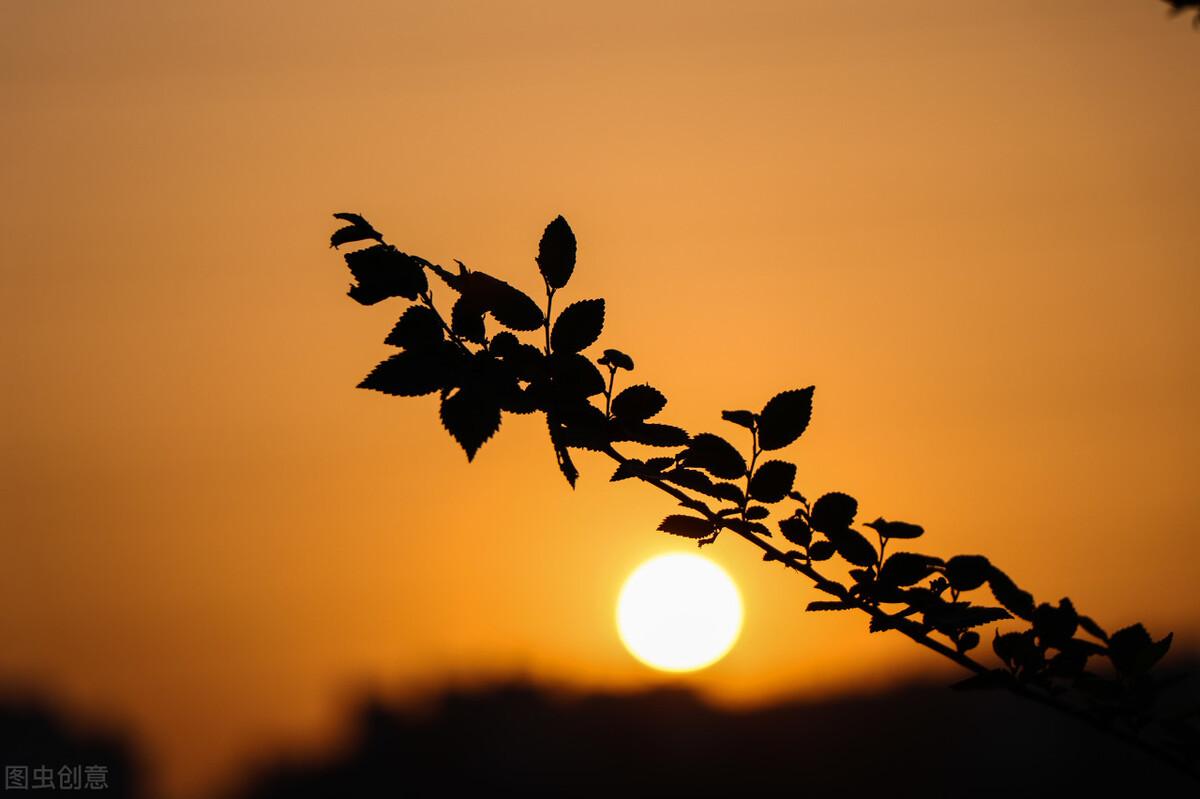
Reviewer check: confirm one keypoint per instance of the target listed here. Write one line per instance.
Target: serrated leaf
(654, 435)
(686, 526)
(796, 530)
(509, 305)
(757, 513)
(824, 605)
(383, 271)
(772, 481)
(418, 328)
(359, 229)
(821, 550)
(784, 418)
(626, 469)
(907, 568)
(578, 326)
(638, 403)
(834, 511)
(852, 546)
(1133, 651)
(746, 527)
(471, 416)
(967, 572)
(466, 319)
(741, 418)
(967, 641)
(1019, 602)
(948, 617)
(561, 454)
(1089, 624)
(413, 373)
(895, 529)
(1055, 626)
(556, 253)
(715, 455)
(573, 377)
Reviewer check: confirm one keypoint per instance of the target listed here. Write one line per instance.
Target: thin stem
(549, 308)
(612, 376)
(912, 629)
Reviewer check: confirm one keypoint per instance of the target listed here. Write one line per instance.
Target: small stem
(427, 298)
(612, 376)
(549, 307)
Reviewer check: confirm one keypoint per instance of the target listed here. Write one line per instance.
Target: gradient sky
(974, 226)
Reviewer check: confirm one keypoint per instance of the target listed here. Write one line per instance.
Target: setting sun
(679, 612)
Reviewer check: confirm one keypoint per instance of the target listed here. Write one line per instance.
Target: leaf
(655, 435)
(1055, 626)
(772, 481)
(834, 511)
(556, 253)
(1007, 594)
(1133, 652)
(968, 572)
(413, 373)
(578, 326)
(784, 418)
(947, 617)
(626, 469)
(796, 530)
(472, 417)
(698, 481)
(359, 229)
(574, 377)
(383, 271)
(686, 526)
(967, 641)
(821, 550)
(561, 454)
(1087, 623)
(418, 327)
(746, 527)
(466, 319)
(741, 418)
(715, 455)
(757, 513)
(852, 546)
(907, 568)
(820, 605)
(895, 529)
(509, 305)
(616, 359)
(638, 403)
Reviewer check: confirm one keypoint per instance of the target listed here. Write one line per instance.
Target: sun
(679, 612)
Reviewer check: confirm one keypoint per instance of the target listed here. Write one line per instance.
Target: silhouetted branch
(480, 376)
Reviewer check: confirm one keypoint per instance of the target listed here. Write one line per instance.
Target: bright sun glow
(679, 612)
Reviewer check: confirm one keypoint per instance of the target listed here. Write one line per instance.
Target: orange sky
(972, 226)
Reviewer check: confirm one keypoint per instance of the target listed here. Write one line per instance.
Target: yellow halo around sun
(679, 612)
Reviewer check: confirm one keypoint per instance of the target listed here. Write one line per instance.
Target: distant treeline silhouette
(1049, 653)
(524, 740)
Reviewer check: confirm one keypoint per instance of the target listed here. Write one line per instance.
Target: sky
(973, 226)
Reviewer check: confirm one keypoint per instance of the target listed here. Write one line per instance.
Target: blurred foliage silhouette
(1181, 6)
(46, 750)
(1048, 653)
(526, 740)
